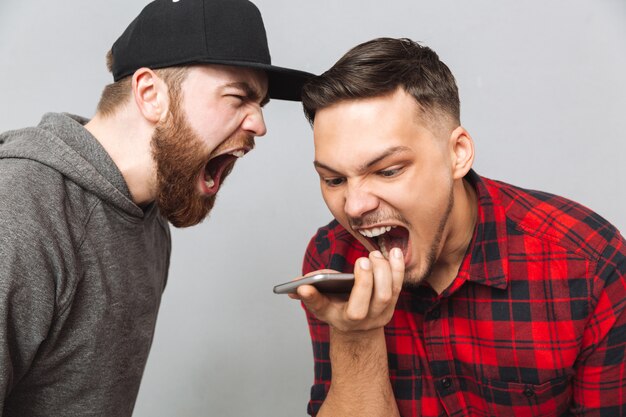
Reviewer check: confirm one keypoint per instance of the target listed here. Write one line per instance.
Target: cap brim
(285, 83)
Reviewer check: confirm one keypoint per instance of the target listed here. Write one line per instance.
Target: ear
(151, 95)
(462, 152)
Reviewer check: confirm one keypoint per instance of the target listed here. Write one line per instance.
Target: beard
(412, 279)
(180, 157)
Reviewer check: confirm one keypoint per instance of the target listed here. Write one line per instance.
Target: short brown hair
(381, 66)
(117, 93)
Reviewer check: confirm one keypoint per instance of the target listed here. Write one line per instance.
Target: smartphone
(330, 283)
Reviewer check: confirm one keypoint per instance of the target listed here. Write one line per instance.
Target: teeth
(375, 231)
(238, 153)
(208, 181)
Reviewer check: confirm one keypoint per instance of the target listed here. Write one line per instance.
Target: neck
(457, 237)
(126, 138)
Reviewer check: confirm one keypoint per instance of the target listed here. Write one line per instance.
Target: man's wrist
(355, 337)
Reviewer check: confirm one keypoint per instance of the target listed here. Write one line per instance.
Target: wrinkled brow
(365, 166)
(251, 93)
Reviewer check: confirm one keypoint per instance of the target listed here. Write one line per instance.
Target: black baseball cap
(184, 32)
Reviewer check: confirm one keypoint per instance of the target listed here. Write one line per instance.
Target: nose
(359, 200)
(254, 122)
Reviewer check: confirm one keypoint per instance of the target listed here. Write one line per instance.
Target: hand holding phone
(372, 300)
(329, 283)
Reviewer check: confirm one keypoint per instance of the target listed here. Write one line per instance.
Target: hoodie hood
(61, 142)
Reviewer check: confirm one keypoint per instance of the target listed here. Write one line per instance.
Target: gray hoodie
(82, 270)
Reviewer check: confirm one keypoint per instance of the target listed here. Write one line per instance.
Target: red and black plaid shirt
(533, 325)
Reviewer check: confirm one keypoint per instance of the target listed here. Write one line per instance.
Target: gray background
(543, 93)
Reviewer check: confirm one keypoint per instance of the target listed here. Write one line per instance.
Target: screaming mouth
(386, 238)
(218, 167)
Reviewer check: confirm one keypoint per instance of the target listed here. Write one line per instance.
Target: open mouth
(218, 168)
(386, 238)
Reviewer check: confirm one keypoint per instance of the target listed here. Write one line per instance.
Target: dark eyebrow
(387, 153)
(251, 93)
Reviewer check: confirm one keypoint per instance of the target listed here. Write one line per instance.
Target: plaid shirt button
(436, 313)
(446, 383)
(529, 392)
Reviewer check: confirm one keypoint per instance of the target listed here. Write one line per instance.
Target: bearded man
(85, 204)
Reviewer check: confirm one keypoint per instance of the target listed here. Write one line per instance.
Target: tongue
(397, 237)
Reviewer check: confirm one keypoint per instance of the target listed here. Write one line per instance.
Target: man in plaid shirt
(472, 297)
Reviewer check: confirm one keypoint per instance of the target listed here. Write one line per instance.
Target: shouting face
(390, 178)
(211, 123)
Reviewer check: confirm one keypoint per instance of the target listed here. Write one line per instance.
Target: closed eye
(245, 92)
(237, 97)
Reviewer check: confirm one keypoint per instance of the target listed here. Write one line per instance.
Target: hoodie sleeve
(27, 288)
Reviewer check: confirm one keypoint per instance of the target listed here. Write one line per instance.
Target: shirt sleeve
(319, 338)
(599, 385)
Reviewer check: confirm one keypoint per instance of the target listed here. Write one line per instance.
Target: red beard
(180, 156)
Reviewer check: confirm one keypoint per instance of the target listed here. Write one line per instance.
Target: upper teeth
(238, 153)
(375, 231)
(209, 181)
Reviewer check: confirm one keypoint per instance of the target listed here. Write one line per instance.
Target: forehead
(372, 123)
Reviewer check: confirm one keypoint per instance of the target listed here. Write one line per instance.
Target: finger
(313, 300)
(396, 262)
(358, 304)
(383, 293)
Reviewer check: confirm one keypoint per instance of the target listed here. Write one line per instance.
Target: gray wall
(543, 93)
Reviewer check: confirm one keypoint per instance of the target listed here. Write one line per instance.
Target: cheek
(213, 135)
(204, 128)
(403, 196)
(335, 202)
(419, 196)
(331, 199)
(213, 124)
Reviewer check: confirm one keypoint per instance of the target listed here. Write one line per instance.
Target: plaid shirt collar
(485, 261)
